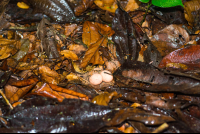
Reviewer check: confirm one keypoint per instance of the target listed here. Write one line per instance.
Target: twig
(149, 5)
(7, 101)
(161, 128)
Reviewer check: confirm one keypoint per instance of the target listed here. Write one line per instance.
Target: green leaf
(144, 1)
(166, 3)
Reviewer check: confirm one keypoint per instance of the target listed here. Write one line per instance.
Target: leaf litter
(149, 73)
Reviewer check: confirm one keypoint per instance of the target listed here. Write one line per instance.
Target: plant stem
(149, 5)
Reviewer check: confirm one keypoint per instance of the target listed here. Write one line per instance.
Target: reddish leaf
(189, 56)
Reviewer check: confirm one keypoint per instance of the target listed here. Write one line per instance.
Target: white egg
(95, 79)
(106, 76)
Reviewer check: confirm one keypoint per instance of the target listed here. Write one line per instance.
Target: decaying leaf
(104, 98)
(92, 55)
(188, 56)
(170, 38)
(94, 36)
(7, 48)
(47, 37)
(93, 31)
(154, 79)
(132, 5)
(48, 75)
(69, 54)
(109, 5)
(127, 46)
(69, 28)
(23, 50)
(15, 93)
(85, 4)
(189, 8)
(60, 11)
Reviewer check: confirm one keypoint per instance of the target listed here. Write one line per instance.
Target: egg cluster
(98, 78)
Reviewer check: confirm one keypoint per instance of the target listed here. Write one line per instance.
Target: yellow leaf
(134, 105)
(132, 5)
(5, 52)
(111, 7)
(104, 98)
(72, 77)
(78, 70)
(177, 65)
(69, 54)
(22, 5)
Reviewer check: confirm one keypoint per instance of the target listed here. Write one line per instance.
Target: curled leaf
(92, 55)
(69, 54)
(170, 38)
(48, 75)
(104, 98)
(22, 5)
(188, 55)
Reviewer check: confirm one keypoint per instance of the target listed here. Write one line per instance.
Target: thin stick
(7, 101)
(161, 128)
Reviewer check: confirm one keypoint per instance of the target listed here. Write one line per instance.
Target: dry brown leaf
(7, 48)
(93, 31)
(77, 49)
(132, 5)
(90, 33)
(14, 94)
(85, 4)
(69, 29)
(189, 8)
(92, 54)
(95, 35)
(48, 75)
(69, 54)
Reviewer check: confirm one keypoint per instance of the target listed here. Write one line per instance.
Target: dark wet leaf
(124, 38)
(4, 76)
(173, 15)
(166, 104)
(71, 115)
(151, 54)
(58, 10)
(192, 122)
(154, 79)
(128, 94)
(23, 50)
(47, 37)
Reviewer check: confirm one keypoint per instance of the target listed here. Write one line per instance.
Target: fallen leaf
(92, 54)
(127, 46)
(48, 75)
(109, 5)
(132, 5)
(189, 8)
(69, 29)
(104, 98)
(69, 55)
(85, 4)
(67, 91)
(170, 38)
(188, 56)
(14, 93)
